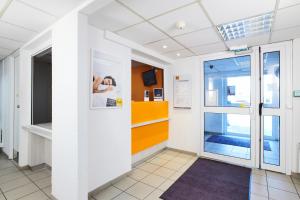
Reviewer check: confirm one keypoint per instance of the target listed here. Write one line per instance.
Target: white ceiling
(23, 19)
(152, 23)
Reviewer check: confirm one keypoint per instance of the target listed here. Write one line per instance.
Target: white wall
(110, 129)
(296, 105)
(184, 133)
(7, 105)
(70, 104)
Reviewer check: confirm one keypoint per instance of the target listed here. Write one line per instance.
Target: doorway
(243, 107)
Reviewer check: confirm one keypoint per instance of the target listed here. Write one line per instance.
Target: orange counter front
(150, 125)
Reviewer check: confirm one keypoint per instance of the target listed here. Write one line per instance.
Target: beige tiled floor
(23, 184)
(147, 181)
(150, 179)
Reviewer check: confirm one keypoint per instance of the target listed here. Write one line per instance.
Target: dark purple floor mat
(211, 180)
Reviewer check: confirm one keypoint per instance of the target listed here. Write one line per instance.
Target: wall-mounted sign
(106, 81)
(182, 91)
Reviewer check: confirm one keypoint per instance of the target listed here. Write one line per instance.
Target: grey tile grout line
(3, 194)
(267, 184)
(295, 187)
(27, 176)
(149, 173)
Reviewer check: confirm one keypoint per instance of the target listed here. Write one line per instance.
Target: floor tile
(11, 176)
(5, 164)
(138, 174)
(258, 189)
(173, 165)
(21, 191)
(43, 183)
(257, 197)
(175, 176)
(9, 185)
(170, 152)
(35, 196)
(259, 179)
(282, 195)
(8, 170)
(154, 195)
(260, 172)
(140, 190)
(48, 191)
(181, 160)
(164, 172)
(282, 185)
(158, 161)
(107, 193)
(125, 196)
(153, 180)
(39, 175)
(148, 167)
(278, 176)
(125, 183)
(165, 185)
(2, 197)
(166, 157)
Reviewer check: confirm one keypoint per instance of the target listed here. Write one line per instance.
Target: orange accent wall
(147, 136)
(148, 111)
(137, 84)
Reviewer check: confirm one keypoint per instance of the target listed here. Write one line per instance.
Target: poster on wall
(182, 91)
(106, 81)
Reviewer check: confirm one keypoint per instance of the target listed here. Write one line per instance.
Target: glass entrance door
(272, 107)
(228, 125)
(244, 107)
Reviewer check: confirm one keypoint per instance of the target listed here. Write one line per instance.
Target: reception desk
(150, 124)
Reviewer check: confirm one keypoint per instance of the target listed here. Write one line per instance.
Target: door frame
(256, 146)
(251, 111)
(285, 110)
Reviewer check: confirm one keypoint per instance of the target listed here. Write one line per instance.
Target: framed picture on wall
(106, 81)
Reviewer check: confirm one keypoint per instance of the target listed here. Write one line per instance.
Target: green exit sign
(296, 93)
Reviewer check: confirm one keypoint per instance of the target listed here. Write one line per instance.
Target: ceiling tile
(205, 36)
(55, 7)
(250, 41)
(231, 10)
(20, 14)
(179, 54)
(14, 32)
(287, 17)
(286, 34)
(287, 3)
(4, 52)
(210, 48)
(9, 44)
(193, 16)
(113, 17)
(151, 8)
(142, 33)
(170, 45)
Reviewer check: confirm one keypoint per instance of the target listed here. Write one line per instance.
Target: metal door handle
(260, 108)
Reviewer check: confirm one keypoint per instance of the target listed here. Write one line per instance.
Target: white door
(275, 99)
(16, 107)
(245, 102)
(228, 108)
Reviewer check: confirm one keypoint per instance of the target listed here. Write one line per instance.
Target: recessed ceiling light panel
(246, 27)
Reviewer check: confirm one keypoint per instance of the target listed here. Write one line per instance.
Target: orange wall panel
(144, 137)
(148, 111)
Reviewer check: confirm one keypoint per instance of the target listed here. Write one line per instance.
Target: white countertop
(42, 130)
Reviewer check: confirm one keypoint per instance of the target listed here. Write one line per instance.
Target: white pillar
(69, 103)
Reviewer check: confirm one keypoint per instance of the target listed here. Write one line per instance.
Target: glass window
(271, 79)
(227, 82)
(271, 140)
(227, 134)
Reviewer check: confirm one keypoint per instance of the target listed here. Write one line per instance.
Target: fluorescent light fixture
(247, 27)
